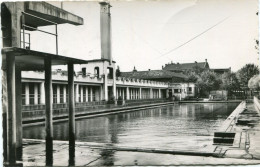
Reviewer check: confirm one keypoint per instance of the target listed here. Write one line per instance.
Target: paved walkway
(89, 154)
(247, 141)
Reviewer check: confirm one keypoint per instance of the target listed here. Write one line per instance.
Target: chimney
(206, 60)
(149, 69)
(105, 31)
(196, 62)
(171, 62)
(162, 67)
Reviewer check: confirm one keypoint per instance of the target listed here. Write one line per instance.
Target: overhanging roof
(49, 12)
(29, 60)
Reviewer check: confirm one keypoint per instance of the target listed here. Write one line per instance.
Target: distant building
(155, 75)
(221, 71)
(180, 68)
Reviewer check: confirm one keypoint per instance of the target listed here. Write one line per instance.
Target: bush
(112, 100)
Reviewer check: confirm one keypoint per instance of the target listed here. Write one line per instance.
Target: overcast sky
(149, 34)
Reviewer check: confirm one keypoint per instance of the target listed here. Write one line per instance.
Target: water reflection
(168, 127)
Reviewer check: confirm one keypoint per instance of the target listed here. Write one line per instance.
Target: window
(176, 90)
(84, 70)
(23, 93)
(190, 89)
(54, 87)
(96, 71)
(31, 93)
(61, 94)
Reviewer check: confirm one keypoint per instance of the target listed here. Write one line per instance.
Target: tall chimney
(105, 31)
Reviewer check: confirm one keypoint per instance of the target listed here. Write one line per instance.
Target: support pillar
(11, 112)
(58, 94)
(91, 94)
(123, 93)
(81, 93)
(64, 94)
(27, 94)
(77, 93)
(127, 93)
(19, 129)
(71, 115)
(140, 93)
(35, 93)
(116, 93)
(42, 93)
(48, 111)
(160, 93)
(151, 93)
(87, 93)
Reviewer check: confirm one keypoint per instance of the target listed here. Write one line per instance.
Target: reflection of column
(42, 93)
(127, 93)
(77, 92)
(35, 93)
(27, 95)
(58, 94)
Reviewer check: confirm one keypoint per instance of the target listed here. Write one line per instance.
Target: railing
(33, 28)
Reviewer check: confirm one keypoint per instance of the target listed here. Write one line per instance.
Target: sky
(149, 34)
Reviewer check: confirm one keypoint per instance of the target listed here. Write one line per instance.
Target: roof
(152, 74)
(29, 60)
(185, 66)
(39, 14)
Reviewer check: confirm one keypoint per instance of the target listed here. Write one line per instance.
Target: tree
(254, 82)
(245, 73)
(118, 73)
(192, 77)
(208, 81)
(229, 81)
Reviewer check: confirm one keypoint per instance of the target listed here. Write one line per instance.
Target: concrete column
(11, 112)
(87, 93)
(72, 129)
(140, 93)
(64, 94)
(91, 94)
(35, 93)
(27, 94)
(123, 93)
(77, 93)
(19, 129)
(42, 93)
(151, 93)
(58, 94)
(81, 94)
(160, 93)
(116, 93)
(105, 87)
(48, 111)
(167, 93)
(127, 93)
